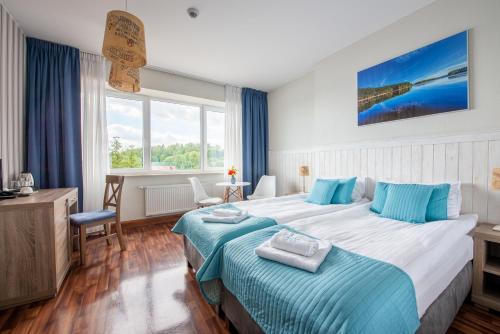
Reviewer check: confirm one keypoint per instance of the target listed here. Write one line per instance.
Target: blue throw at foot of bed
(349, 293)
(209, 237)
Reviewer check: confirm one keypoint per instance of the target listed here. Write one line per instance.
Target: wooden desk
(35, 252)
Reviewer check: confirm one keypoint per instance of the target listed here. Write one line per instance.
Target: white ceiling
(254, 43)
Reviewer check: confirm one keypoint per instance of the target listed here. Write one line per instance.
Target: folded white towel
(227, 212)
(224, 220)
(296, 243)
(310, 263)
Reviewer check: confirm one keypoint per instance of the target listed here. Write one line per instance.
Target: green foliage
(215, 156)
(172, 157)
(130, 157)
(180, 156)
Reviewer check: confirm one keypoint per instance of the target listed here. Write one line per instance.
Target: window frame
(207, 108)
(145, 126)
(146, 135)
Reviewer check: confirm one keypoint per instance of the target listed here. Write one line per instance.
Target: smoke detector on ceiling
(193, 12)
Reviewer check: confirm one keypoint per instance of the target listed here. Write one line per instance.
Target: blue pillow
(437, 209)
(322, 191)
(344, 191)
(407, 202)
(379, 197)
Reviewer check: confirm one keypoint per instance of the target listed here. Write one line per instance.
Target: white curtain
(94, 130)
(12, 65)
(233, 155)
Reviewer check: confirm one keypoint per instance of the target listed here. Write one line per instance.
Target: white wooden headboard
(469, 158)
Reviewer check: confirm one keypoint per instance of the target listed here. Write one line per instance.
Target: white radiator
(172, 198)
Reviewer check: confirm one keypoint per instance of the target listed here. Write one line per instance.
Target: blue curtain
(255, 136)
(53, 116)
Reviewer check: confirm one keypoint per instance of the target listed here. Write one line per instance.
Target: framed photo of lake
(431, 80)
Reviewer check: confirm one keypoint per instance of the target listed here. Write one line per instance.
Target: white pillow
(358, 193)
(454, 197)
(359, 189)
(454, 200)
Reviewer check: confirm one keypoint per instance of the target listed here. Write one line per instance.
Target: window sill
(159, 173)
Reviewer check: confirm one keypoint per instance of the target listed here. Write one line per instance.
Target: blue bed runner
(349, 293)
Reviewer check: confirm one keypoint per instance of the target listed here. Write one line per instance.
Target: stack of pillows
(417, 203)
(335, 191)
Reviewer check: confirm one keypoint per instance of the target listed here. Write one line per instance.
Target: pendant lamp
(124, 39)
(124, 78)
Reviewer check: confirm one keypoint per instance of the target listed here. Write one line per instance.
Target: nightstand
(486, 282)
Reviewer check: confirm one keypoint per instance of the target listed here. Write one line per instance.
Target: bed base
(194, 258)
(194, 261)
(436, 320)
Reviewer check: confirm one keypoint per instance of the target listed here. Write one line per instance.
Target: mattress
(436, 269)
(432, 254)
(285, 209)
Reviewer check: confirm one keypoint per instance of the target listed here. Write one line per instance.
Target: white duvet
(432, 254)
(285, 209)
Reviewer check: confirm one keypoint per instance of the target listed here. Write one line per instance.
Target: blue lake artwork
(429, 80)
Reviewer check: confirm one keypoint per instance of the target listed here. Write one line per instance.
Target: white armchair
(201, 199)
(266, 188)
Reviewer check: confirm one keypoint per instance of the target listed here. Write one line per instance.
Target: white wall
(320, 108)
(173, 83)
(133, 207)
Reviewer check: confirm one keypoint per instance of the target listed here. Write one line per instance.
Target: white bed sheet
(285, 209)
(429, 253)
(435, 270)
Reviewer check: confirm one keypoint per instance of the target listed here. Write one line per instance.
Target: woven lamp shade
(124, 40)
(304, 171)
(124, 78)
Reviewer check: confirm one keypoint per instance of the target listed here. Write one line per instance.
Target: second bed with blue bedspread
(349, 293)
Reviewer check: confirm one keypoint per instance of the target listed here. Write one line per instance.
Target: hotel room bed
(435, 257)
(202, 239)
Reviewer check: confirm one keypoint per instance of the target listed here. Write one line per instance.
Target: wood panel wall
(465, 158)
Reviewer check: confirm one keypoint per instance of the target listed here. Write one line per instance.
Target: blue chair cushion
(91, 217)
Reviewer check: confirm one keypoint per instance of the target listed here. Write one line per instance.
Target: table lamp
(304, 171)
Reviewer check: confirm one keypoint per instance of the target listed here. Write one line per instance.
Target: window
(150, 134)
(215, 138)
(125, 132)
(175, 136)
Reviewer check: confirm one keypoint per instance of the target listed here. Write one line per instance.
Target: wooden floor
(147, 289)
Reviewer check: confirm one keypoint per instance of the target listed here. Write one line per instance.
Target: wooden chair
(105, 217)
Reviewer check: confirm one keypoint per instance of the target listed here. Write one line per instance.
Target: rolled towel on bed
(211, 218)
(308, 263)
(296, 243)
(227, 212)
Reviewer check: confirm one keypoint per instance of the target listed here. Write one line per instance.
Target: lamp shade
(304, 171)
(124, 78)
(124, 40)
(495, 179)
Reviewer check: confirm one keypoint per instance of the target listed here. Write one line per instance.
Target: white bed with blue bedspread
(420, 261)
